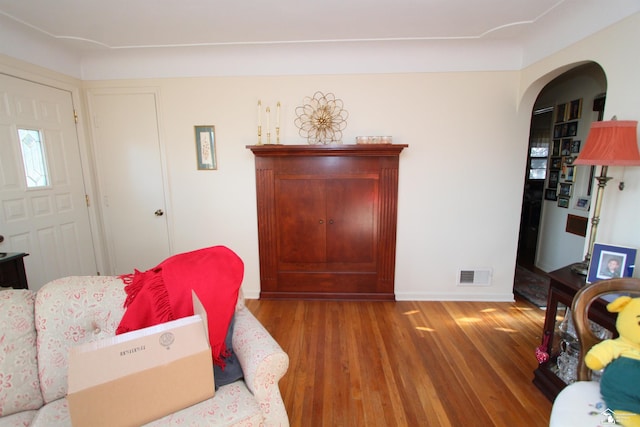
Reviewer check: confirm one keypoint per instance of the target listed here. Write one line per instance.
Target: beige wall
(462, 145)
(461, 178)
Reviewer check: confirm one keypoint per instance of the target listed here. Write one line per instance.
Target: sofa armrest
(263, 363)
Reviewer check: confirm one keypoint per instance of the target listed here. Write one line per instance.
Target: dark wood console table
(563, 286)
(327, 220)
(12, 274)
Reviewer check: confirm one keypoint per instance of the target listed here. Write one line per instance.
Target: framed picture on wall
(561, 113)
(583, 203)
(563, 202)
(575, 146)
(555, 149)
(609, 262)
(206, 147)
(570, 174)
(554, 178)
(551, 194)
(556, 163)
(575, 109)
(572, 129)
(565, 189)
(557, 131)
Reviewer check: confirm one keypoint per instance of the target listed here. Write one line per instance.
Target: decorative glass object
(568, 361)
(321, 119)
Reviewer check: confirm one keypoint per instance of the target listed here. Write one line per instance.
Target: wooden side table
(562, 288)
(12, 273)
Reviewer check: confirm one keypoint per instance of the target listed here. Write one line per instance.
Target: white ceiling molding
(119, 39)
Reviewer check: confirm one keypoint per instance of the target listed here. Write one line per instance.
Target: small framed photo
(570, 174)
(555, 150)
(583, 203)
(563, 202)
(556, 163)
(551, 194)
(609, 262)
(566, 147)
(572, 129)
(565, 190)
(575, 109)
(554, 178)
(561, 113)
(557, 131)
(206, 147)
(575, 146)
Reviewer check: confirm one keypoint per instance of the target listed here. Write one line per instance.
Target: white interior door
(43, 211)
(127, 149)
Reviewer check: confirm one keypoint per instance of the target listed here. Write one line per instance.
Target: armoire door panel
(301, 220)
(351, 220)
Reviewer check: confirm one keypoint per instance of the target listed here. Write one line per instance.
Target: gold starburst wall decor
(321, 119)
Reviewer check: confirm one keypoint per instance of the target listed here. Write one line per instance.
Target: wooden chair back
(580, 310)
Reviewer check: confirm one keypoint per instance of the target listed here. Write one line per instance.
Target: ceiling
(120, 24)
(107, 39)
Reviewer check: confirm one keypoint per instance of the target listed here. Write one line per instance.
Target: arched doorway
(571, 101)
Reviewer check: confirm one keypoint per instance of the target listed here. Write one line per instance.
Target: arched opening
(554, 217)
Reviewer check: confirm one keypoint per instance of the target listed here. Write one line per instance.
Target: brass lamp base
(581, 268)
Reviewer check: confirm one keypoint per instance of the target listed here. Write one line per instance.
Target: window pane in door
(33, 158)
(537, 173)
(540, 151)
(538, 163)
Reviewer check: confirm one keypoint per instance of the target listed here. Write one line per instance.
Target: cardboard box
(137, 377)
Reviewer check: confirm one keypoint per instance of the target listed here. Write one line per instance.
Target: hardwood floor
(408, 363)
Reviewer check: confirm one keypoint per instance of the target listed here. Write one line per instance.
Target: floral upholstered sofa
(37, 329)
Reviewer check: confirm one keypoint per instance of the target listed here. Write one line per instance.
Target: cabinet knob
(321, 221)
(330, 221)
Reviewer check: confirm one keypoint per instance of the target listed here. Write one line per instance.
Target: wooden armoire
(327, 220)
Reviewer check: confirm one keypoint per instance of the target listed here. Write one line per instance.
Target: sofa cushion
(233, 405)
(53, 414)
(68, 312)
(20, 419)
(19, 385)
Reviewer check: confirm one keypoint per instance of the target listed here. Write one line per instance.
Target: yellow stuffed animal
(620, 382)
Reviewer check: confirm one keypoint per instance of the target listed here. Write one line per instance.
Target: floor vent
(474, 277)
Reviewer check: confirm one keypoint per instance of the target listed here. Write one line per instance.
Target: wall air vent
(474, 277)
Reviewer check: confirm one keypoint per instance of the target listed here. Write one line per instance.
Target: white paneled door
(43, 209)
(127, 148)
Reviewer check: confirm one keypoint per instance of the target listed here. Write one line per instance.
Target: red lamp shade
(611, 143)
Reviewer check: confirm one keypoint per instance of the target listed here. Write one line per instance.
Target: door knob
(159, 212)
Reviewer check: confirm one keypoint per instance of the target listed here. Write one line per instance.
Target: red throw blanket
(163, 293)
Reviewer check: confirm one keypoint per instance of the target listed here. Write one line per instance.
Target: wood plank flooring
(408, 363)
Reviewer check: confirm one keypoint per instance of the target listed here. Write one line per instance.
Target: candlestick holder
(278, 135)
(259, 135)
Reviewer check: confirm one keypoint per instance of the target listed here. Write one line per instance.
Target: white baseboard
(429, 296)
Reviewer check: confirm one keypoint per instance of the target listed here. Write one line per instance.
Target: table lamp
(610, 143)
